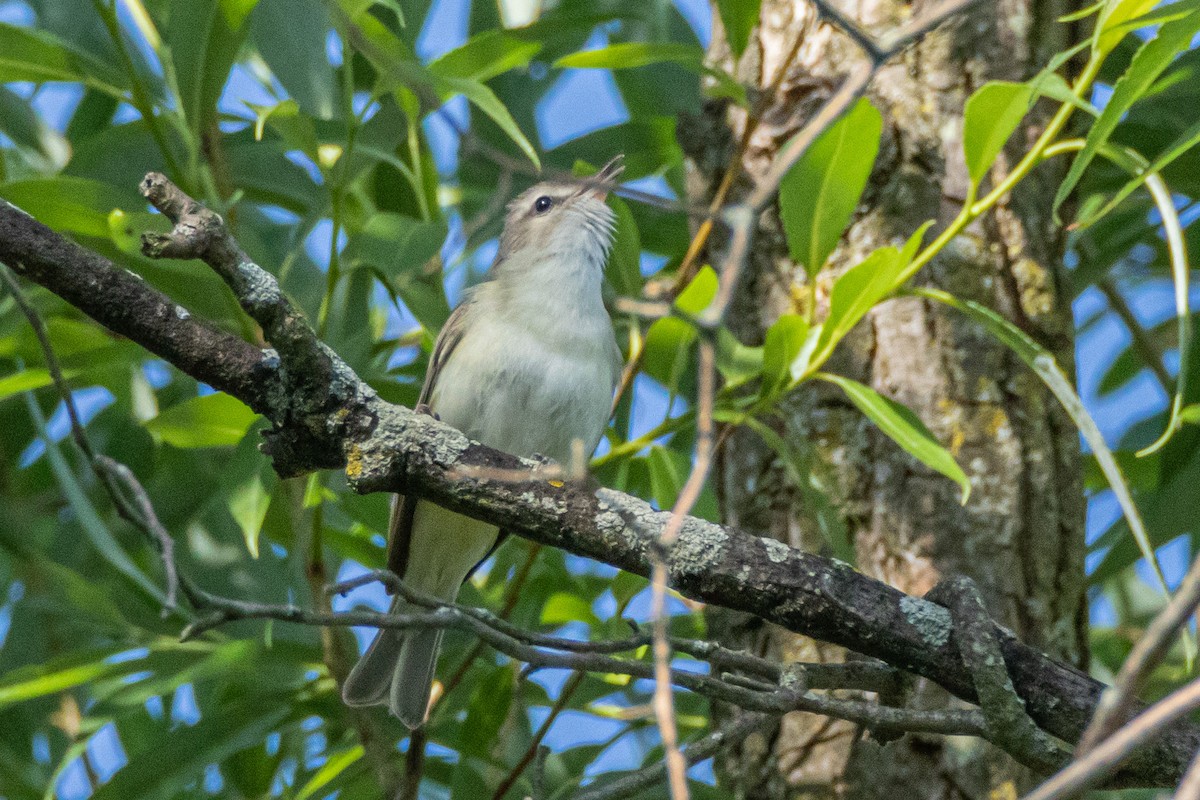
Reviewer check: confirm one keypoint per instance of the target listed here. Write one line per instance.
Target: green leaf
(785, 340)
(395, 244)
(246, 486)
(67, 204)
(631, 55)
(624, 270)
(816, 498)
(24, 381)
(563, 607)
(1182, 143)
(486, 55)
(667, 350)
(336, 764)
(736, 361)
(398, 66)
(699, 293)
(204, 39)
(625, 586)
(98, 534)
(1180, 272)
(486, 101)
(904, 428)
(739, 18)
(77, 669)
(1084, 12)
(212, 420)
(487, 710)
(1181, 275)
(669, 470)
(1054, 86)
(1042, 362)
(1170, 511)
(913, 245)
(819, 193)
(178, 757)
(855, 292)
(28, 130)
(1148, 63)
(1111, 26)
(991, 115)
(27, 54)
(291, 36)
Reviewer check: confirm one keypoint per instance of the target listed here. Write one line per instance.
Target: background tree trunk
(1021, 536)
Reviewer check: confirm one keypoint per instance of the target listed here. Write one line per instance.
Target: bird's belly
(539, 401)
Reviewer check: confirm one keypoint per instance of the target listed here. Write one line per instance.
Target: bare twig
(546, 651)
(1104, 759)
(116, 478)
(1141, 339)
(664, 710)
(1118, 700)
(697, 752)
(1003, 708)
(414, 765)
(1189, 787)
(865, 42)
(535, 747)
(388, 448)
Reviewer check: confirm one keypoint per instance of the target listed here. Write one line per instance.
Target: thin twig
(545, 651)
(664, 710)
(1141, 339)
(697, 752)
(1189, 787)
(116, 478)
(1106, 757)
(414, 765)
(564, 697)
(861, 38)
(1117, 701)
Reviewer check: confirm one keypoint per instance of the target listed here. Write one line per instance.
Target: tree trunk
(1021, 536)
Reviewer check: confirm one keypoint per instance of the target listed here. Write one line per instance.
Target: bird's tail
(397, 669)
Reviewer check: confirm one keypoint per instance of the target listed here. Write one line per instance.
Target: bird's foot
(423, 408)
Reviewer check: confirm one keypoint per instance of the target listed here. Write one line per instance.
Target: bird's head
(558, 219)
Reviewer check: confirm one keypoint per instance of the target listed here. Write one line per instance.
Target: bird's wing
(405, 507)
(447, 340)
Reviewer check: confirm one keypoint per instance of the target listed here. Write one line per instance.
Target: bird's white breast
(531, 383)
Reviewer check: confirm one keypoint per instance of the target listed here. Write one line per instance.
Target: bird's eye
(542, 204)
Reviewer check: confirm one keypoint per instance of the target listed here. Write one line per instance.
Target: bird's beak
(605, 180)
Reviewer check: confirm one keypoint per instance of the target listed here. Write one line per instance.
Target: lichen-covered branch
(392, 449)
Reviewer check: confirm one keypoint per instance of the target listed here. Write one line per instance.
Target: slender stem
(564, 697)
(691, 259)
(1141, 339)
(1102, 761)
(1036, 154)
(1118, 700)
(664, 705)
(512, 594)
(140, 98)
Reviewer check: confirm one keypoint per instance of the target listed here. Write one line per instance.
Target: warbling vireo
(526, 364)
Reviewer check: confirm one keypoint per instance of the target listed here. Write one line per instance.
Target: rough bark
(1021, 536)
(315, 400)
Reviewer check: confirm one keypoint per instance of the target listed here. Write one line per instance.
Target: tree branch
(341, 421)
